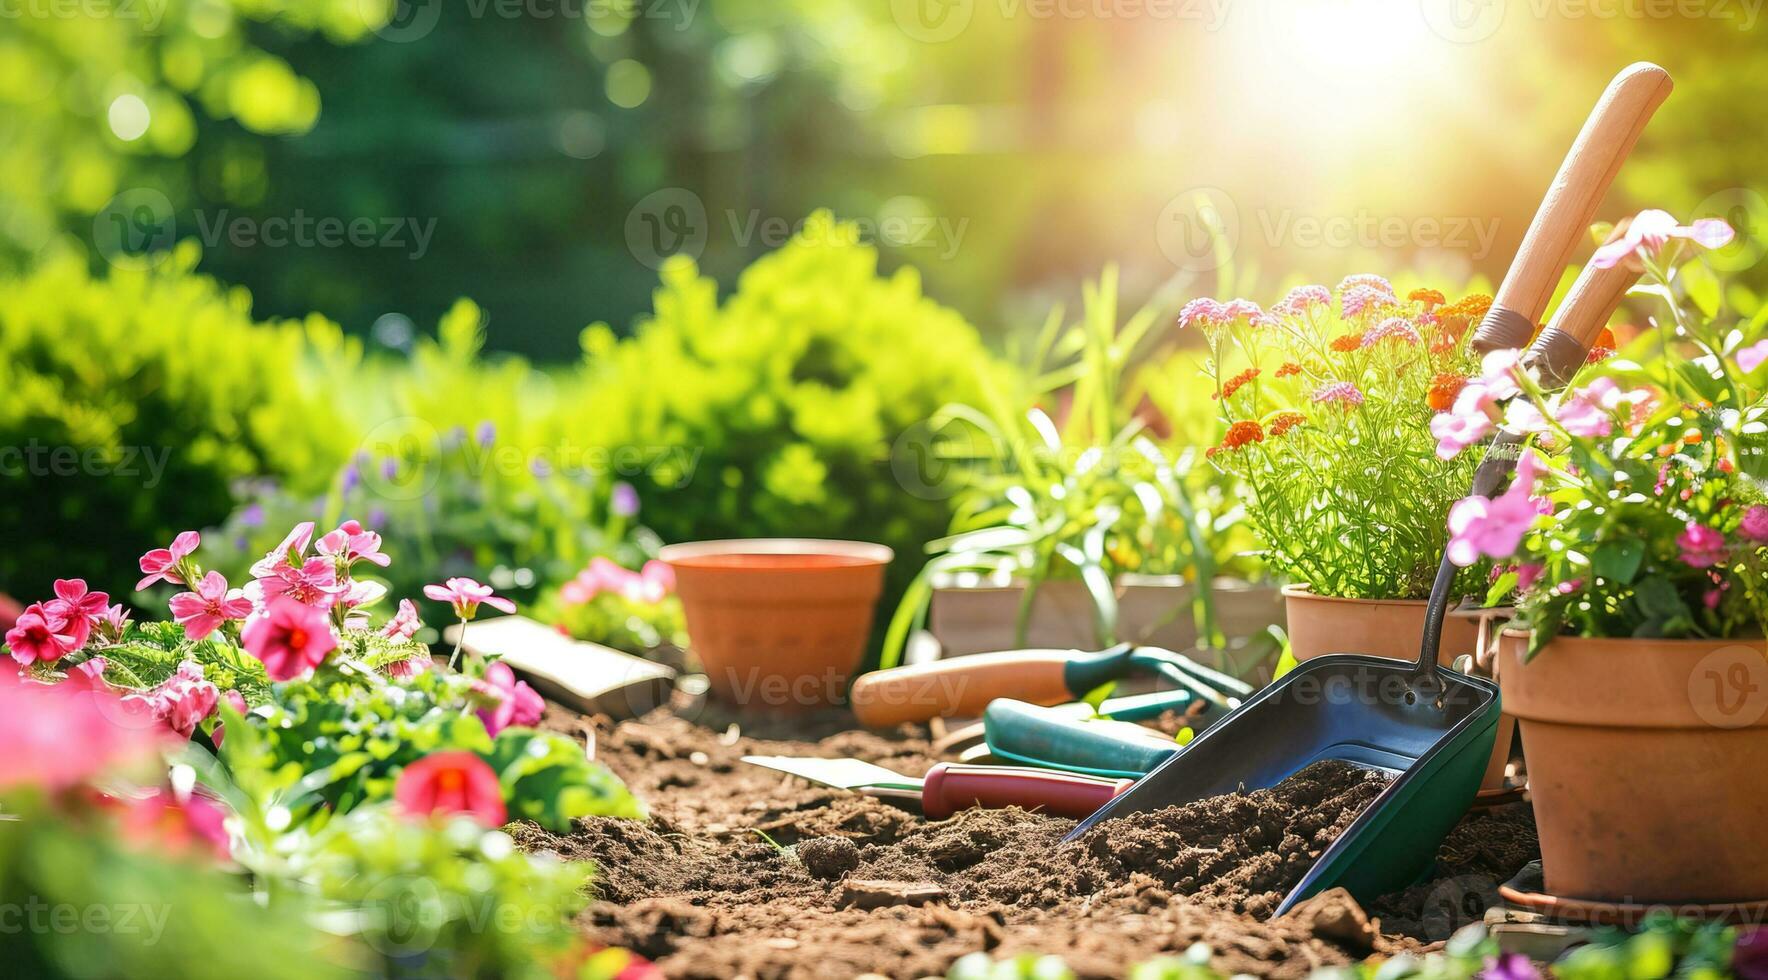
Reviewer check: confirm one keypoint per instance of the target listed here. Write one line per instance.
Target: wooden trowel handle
(1563, 347)
(960, 687)
(1570, 204)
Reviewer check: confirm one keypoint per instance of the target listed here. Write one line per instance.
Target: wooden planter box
(1153, 610)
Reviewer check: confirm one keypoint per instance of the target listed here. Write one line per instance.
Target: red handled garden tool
(948, 788)
(1431, 728)
(962, 687)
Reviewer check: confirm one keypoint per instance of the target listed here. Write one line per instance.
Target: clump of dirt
(859, 886)
(829, 857)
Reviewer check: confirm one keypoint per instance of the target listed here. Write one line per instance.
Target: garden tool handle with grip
(949, 788)
(1564, 346)
(1570, 204)
(1557, 354)
(962, 687)
(1034, 735)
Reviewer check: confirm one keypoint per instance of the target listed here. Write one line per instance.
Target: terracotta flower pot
(1646, 764)
(779, 624)
(1319, 625)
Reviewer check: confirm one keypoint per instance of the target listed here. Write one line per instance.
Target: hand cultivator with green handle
(1432, 728)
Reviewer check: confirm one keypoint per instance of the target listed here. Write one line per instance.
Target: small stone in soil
(880, 894)
(829, 857)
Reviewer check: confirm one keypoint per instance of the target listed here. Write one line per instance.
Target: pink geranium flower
(203, 611)
(1650, 230)
(73, 598)
(166, 564)
(290, 637)
(350, 544)
(59, 736)
(1702, 546)
(112, 622)
(451, 782)
(314, 583)
(292, 551)
(513, 701)
(404, 624)
(184, 700)
(41, 635)
(465, 595)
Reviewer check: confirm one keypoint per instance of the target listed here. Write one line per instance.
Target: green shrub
(776, 413)
(133, 401)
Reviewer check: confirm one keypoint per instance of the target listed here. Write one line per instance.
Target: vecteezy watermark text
(302, 230)
(148, 12)
(34, 459)
(35, 916)
(675, 221)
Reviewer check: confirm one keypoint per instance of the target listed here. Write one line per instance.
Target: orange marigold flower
(1443, 389)
(1242, 433)
(1429, 297)
(1605, 339)
(1289, 369)
(1472, 307)
(1692, 436)
(1238, 381)
(1347, 343)
(1284, 421)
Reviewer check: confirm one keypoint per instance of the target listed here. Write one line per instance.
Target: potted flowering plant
(1635, 531)
(1326, 401)
(1082, 518)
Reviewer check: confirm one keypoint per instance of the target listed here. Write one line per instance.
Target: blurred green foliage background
(227, 228)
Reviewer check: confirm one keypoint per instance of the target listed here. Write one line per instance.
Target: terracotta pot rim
(859, 552)
(1126, 580)
(1688, 643)
(1302, 590)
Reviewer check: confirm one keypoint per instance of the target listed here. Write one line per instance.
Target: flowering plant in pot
(1082, 518)
(1635, 531)
(1325, 401)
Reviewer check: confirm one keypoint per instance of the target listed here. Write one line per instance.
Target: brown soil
(843, 885)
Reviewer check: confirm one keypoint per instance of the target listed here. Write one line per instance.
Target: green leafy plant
(1100, 494)
(134, 401)
(1327, 400)
(776, 412)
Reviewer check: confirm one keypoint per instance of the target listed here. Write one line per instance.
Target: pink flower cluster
(48, 631)
(651, 584)
(1394, 328)
(184, 700)
(509, 701)
(1364, 293)
(1210, 313)
(1494, 528)
(1301, 299)
(1341, 393)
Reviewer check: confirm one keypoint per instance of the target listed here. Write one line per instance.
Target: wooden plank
(588, 677)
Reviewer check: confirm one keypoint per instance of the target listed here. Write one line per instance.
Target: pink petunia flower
(1750, 358)
(291, 638)
(1651, 229)
(166, 564)
(1702, 546)
(1469, 420)
(513, 701)
(351, 544)
(1494, 528)
(203, 611)
(41, 635)
(465, 595)
(451, 782)
(1755, 523)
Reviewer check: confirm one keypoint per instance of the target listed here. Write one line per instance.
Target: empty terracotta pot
(778, 623)
(1646, 763)
(1392, 628)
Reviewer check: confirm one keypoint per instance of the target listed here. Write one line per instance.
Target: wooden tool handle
(1570, 204)
(960, 687)
(950, 788)
(1564, 346)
